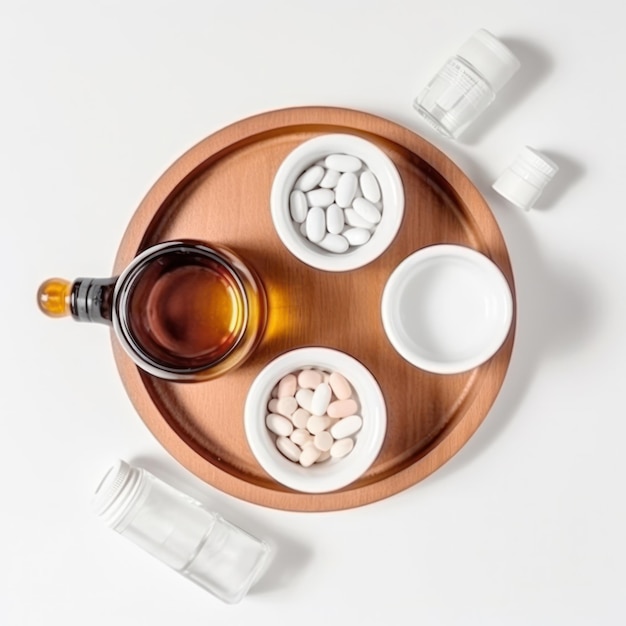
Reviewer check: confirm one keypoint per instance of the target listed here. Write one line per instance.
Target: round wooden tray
(219, 192)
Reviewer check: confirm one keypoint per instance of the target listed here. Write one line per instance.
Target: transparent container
(180, 532)
(467, 84)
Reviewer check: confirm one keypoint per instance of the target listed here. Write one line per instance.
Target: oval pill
(286, 406)
(357, 236)
(369, 186)
(304, 397)
(366, 210)
(287, 386)
(279, 425)
(309, 379)
(342, 408)
(340, 386)
(298, 206)
(346, 427)
(341, 447)
(320, 197)
(345, 189)
(301, 436)
(300, 417)
(324, 456)
(321, 399)
(317, 423)
(309, 455)
(323, 441)
(352, 218)
(310, 178)
(331, 178)
(343, 162)
(334, 243)
(289, 449)
(315, 224)
(271, 405)
(335, 220)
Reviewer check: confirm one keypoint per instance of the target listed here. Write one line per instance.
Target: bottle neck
(91, 299)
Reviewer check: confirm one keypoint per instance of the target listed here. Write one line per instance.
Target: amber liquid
(188, 311)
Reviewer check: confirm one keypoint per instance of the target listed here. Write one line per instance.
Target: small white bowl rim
(334, 473)
(482, 265)
(305, 155)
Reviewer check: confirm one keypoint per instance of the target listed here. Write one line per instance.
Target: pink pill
(342, 408)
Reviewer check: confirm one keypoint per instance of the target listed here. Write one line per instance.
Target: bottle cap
(490, 57)
(117, 492)
(524, 180)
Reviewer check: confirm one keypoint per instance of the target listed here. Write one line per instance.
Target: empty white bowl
(307, 154)
(447, 308)
(331, 474)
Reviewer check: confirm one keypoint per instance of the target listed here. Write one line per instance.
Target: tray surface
(219, 192)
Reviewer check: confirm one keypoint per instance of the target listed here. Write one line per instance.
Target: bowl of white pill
(337, 202)
(315, 419)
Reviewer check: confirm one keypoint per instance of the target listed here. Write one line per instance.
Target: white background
(526, 524)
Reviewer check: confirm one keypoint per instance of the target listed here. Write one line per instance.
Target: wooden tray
(219, 192)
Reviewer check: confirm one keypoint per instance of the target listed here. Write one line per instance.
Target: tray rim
(243, 132)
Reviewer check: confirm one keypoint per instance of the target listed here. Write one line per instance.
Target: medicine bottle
(180, 531)
(467, 84)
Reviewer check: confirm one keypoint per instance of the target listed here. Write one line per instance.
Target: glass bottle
(467, 84)
(182, 310)
(180, 531)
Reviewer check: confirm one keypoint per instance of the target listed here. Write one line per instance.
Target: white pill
(341, 448)
(317, 423)
(272, 405)
(301, 436)
(357, 236)
(340, 386)
(342, 408)
(286, 406)
(321, 399)
(369, 186)
(320, 197)
(309, 379)
(346, 427)
(309, 455)
(352, 218)
(279, 425)
(334, 219)
(331, 178)
(323, 441)
(304, 397)
(289, 449)
(310, 178)
(345, 189)
(298, 206)
(366, 210)
(334, 243)
(287, 386)
(315, 224)
(343, 162)
(324, 456)
(300, 417)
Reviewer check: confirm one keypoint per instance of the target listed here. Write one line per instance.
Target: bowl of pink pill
(337, 202)
(315, 419)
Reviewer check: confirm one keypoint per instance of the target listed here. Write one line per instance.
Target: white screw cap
(525, 179)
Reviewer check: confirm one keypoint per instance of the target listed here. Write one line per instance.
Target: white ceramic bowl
(447, 308)
(334, 473)
(305, 155)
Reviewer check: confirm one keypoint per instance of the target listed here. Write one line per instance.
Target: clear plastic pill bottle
(180, 531)
(467, 84)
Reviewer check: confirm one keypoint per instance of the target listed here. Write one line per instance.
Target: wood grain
(219, 192)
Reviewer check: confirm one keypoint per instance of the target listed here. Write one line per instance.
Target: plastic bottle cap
(490, 57)
(117, 492)
(523, 182)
